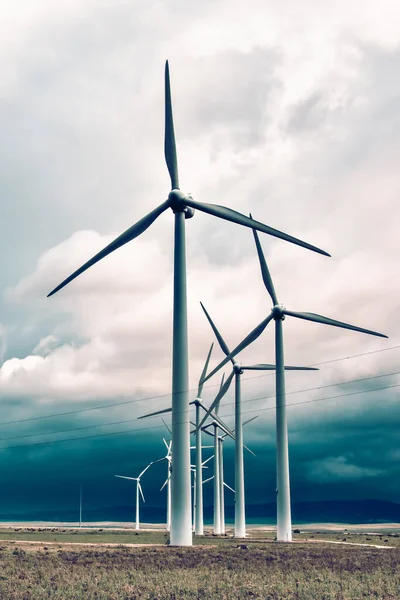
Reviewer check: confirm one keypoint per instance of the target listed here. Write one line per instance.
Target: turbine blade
(218, 397)
(209, 479)
(221, 385)
(169, 138)
(268, 367)
(158, 412)
(208, 432)
(141, 491)
(169, 429)
(259, 367)
(124, 477)
(121, 240)
(229, 488)
(144, 470)
(253, 335)
(219, 337)
(207, 459)
(248, 450)
(222, 426)
(326, 321)
(222, 381)
(266, 275)
(250, 420)
(204, 372)
(235, 217)
(207, 426)
(164, 484)
(290, 368)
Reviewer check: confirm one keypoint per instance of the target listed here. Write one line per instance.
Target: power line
(134, 401)
(138, 430)
(302, 391)
(348, 382)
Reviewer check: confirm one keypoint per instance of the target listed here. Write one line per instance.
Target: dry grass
(302, 571)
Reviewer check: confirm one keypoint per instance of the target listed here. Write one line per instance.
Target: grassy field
(217, 568)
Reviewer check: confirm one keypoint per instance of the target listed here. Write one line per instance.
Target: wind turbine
(237, 372)
(80, 505)
(183, 207)
(278, 314)
(167, 482)
(138, 489)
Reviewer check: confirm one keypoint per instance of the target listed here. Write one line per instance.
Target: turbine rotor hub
(176, 199)
(277, 312)
(237, 367)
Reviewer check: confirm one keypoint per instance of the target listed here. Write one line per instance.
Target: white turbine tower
(278, 314)
(138, 489)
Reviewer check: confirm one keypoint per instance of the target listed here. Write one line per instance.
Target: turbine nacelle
(176, 200)
(237, 367)
(277, 312)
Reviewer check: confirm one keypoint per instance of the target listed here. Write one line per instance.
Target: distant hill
(326, 511)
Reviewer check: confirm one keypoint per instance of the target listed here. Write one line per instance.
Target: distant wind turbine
(278, 314)
(237, 372)
(183, 206)
(80, 505)
(167, 482)
(138, 489)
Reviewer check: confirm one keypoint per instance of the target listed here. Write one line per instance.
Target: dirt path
(40, 544)
(344, 543)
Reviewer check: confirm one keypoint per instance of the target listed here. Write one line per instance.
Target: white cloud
(277, 110)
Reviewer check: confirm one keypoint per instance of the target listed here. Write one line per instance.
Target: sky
(291, 112)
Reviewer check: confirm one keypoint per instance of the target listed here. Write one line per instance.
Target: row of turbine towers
(183, 206)
(219, 431)
(198, 481)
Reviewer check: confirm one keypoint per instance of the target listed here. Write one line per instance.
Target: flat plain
(123, 564)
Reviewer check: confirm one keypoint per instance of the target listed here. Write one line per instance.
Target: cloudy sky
(292, 113)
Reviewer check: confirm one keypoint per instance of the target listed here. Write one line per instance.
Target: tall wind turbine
(278, 314)
(237, 372)
(138, 489)
(182, 205)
